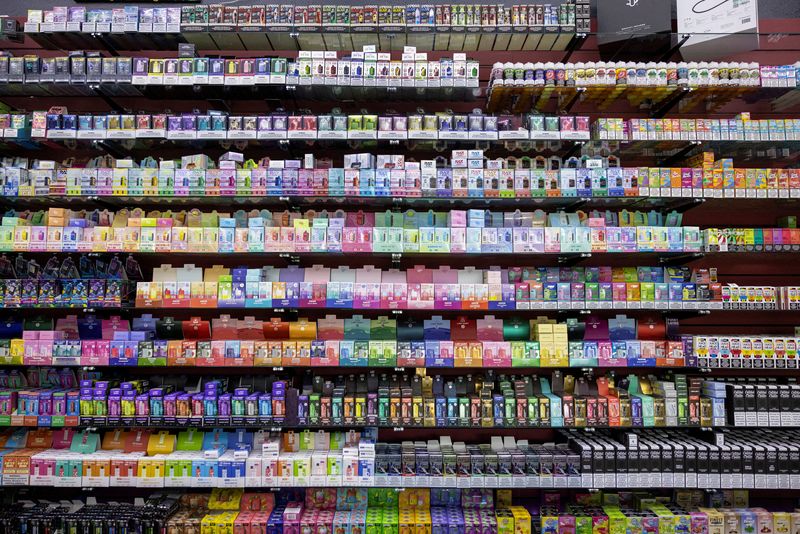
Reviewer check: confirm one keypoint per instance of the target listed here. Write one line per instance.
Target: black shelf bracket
(100, 93)
(680, 259)
(220, 103)
(570, 259)
(100, 201)
(679, 155)
(574, 149)
(575, 43)
(572, 206)
(682, 207)
(573, 100)
(671, 52)
(666, 105)
(106, 42)
(686, 314)
(112, 148)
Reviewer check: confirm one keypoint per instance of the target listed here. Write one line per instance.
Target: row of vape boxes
(366, 175)
(409, 219)
(327, 235)
(741, 459)
(197, 460)
(749, 352)
(528, 404)
(697, 129)
(440, 126)
(431, 127)
(292, 517)
(768, 352)
(302, 237)
(551, 350)
(155, 512)
(98, 293)
(421, 510)
(308, 127)
(523, 402)
(310, 67)
(594, 73)
(756, 404)
(330, 327)
(132, 18)
(388, 296)
(768, 459)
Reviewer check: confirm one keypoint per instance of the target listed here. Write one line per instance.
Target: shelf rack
(290, 37)
(664, 153)
(512, 42)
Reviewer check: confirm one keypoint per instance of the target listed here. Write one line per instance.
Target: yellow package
(505, 521)
(781, 523)
(522, 520)
(716, 520)
(225, 499)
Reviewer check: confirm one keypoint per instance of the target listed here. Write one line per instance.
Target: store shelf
(447, 372)
(400, 482)
(669, 153)
(655, 101)
(327, 369)
(562, 258)
(665, 153)
(208, 423)
(750, 335)
(288, 37)
(679, 203)
(120, 148)
(342, 94)
(277, 309)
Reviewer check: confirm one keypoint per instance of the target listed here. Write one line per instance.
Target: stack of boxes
(553, 343)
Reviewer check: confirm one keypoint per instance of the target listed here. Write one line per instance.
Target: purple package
(113, 296)
(30, 292)
(137, 336)
(97, 291)
(628, 238)
(45, 402)
(224, 405)
(173, 123)
(676, 292)
(279, 388)
(189, 123)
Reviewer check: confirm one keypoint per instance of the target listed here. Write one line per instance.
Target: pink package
(114, 324)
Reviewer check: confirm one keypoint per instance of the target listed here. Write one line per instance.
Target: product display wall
(382, 269)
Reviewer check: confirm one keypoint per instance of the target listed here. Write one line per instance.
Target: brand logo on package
(632, 3)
